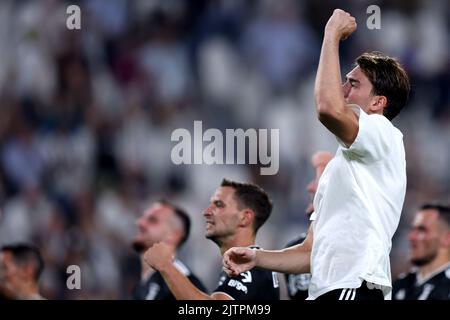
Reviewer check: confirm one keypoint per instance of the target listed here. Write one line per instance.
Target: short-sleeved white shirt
(358, 204)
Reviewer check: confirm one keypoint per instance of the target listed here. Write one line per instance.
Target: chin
(139, 246)
(419, 262)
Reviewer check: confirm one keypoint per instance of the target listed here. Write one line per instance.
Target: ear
(378, 104)
(27, 272)
(247, 217)
(174, 238)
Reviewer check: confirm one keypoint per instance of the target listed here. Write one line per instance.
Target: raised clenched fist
(341, 24)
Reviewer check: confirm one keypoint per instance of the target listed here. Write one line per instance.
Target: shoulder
(407, 276)
(375, 138)
(182, 267)
(188, 273)
(442, 278)
(404, 287)
(405, 279)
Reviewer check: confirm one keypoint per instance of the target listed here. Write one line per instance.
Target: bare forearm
(292, 260)
(180, 286)
(328, 91)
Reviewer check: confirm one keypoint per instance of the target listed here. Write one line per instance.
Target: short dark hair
(25, 254)
(442, 209)
(388, 78)
(249, 195)
(183, 216)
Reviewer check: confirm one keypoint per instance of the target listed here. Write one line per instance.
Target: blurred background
(87, 117)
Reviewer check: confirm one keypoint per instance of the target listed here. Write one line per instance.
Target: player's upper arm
(342, 122)
(308, 242)
(306, 245)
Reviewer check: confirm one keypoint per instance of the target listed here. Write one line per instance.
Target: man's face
(222, 216)
(10, 274)
(425, 237)
(153, 226)
(358, 89)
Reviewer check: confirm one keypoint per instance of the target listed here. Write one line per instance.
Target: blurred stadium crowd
(87, 118)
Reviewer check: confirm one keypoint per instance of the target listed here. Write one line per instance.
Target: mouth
(139, 235)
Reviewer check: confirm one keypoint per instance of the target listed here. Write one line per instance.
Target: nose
(138, 222)
(412, 236)
(207, 212)
(346, 89)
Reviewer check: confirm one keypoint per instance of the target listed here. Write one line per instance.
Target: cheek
(358, 97)
(225, 222)
(9, 273)
(354, 96)
(421, 237)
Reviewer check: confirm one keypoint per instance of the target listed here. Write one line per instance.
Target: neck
(237, 240)
(439, 262)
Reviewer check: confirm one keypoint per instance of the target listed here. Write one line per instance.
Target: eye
(152, 220)
(219, 204)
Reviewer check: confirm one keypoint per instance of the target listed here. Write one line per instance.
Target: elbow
(324, 110)
(324, 104)
(329, 110)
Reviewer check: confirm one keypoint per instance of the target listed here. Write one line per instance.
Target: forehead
(158, 210)
(225, 194)
(357, 74)
(427, 218)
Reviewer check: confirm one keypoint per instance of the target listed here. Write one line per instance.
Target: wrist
(165, 267)
(257, 257)
(332, 35)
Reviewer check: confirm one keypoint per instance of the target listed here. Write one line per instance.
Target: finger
(225, 262)
(229, 271)
(236, 272)
(226, 270)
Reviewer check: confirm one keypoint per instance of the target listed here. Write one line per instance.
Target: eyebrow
(350, 79)
(418, 227)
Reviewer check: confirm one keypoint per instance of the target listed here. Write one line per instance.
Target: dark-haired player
(429, 240)
(167, 223)
(21, 266)
(236, 212)
(360, 195)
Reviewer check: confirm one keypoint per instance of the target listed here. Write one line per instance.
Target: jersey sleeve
(250, 285)
(238, 288)
(373, 140)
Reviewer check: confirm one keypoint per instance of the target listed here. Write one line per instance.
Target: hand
(239, 259)
(341, 24)
(159, 256)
